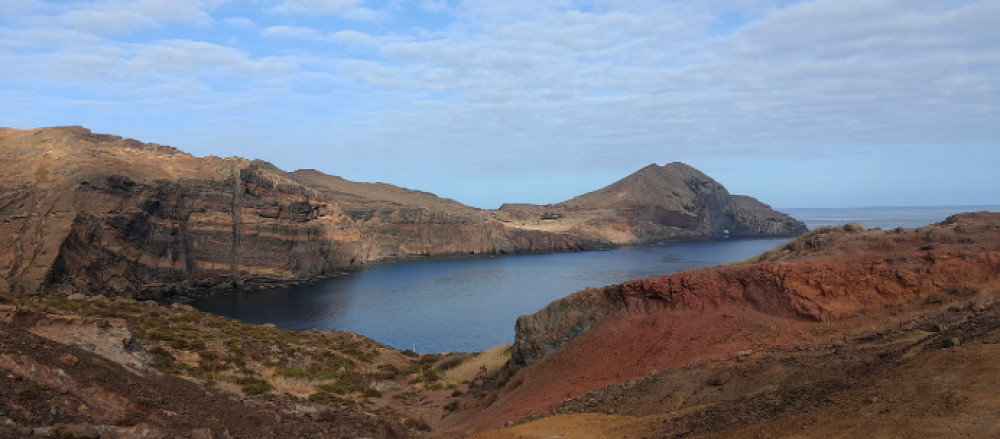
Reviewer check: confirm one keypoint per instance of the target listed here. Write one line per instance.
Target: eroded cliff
(818, 287)
(100, 214)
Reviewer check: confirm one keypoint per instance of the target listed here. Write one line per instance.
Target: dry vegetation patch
(491, 359)
(240, 357)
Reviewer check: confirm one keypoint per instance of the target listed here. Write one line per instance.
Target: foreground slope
(99, 214)
(819, 287)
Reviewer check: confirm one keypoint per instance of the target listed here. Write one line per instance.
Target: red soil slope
(815, 281)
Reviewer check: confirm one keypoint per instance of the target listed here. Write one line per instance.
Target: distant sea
(881, 217)
(437, 305)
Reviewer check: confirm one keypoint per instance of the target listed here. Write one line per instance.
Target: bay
(439, 305)
(468, 305)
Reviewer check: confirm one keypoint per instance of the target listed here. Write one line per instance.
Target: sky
(822, 103)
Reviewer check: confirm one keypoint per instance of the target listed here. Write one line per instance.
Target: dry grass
(228, 386)
(240, 357)
(299, 387)
(493, 358)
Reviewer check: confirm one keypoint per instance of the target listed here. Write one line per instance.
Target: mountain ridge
(102, 214)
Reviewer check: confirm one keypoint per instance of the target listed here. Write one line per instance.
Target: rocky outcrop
(99, 214)
(825, 275)
(831, 287)
(108, 337)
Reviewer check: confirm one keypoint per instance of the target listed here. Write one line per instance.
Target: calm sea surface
(442, 305)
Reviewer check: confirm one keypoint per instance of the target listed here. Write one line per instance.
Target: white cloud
(347, 38)
(241, 22)
(349, 9)
(13, 8)
(302, 33)
(120, 16)
(194, 58)
(353, 38)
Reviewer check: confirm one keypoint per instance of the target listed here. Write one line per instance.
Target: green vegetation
(254, 386)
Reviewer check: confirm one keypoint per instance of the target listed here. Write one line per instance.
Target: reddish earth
(818, 287)
(934, 374)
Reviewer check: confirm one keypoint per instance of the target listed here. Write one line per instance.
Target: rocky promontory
(101, 214)
(844, 283)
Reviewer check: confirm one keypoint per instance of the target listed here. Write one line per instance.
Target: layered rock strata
(100, 214)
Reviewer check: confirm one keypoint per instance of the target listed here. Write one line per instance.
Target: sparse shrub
(306, 374)
(450, 362)
(347, 383)
(428, 374)
(387, 371)
(254, 385)
(417, 424)
(208, 355)
(164, 360)
(450, 407)
(853, 227)
(506, 374)
(100, 364)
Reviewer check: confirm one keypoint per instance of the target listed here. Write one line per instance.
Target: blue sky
(823, 103)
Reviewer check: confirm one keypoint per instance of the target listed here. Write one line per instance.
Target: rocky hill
(659, 202)
(100, 214)
(670, 348)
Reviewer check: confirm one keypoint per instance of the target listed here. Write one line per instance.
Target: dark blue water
(471, 304)
(463, 304)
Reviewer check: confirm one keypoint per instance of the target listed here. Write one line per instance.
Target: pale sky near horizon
(822, 103)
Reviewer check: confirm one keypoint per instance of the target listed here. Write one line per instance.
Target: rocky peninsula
(101, 214)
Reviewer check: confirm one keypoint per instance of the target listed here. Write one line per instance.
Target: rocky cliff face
(99, 214)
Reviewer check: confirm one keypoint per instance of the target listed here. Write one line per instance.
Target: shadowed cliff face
(99, 214)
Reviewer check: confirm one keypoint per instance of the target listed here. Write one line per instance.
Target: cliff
(100, 214)
(826, 283)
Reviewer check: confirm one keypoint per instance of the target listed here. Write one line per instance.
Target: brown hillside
(817, 286)
(99, 214)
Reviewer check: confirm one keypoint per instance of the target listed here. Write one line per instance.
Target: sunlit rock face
(100, 214)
